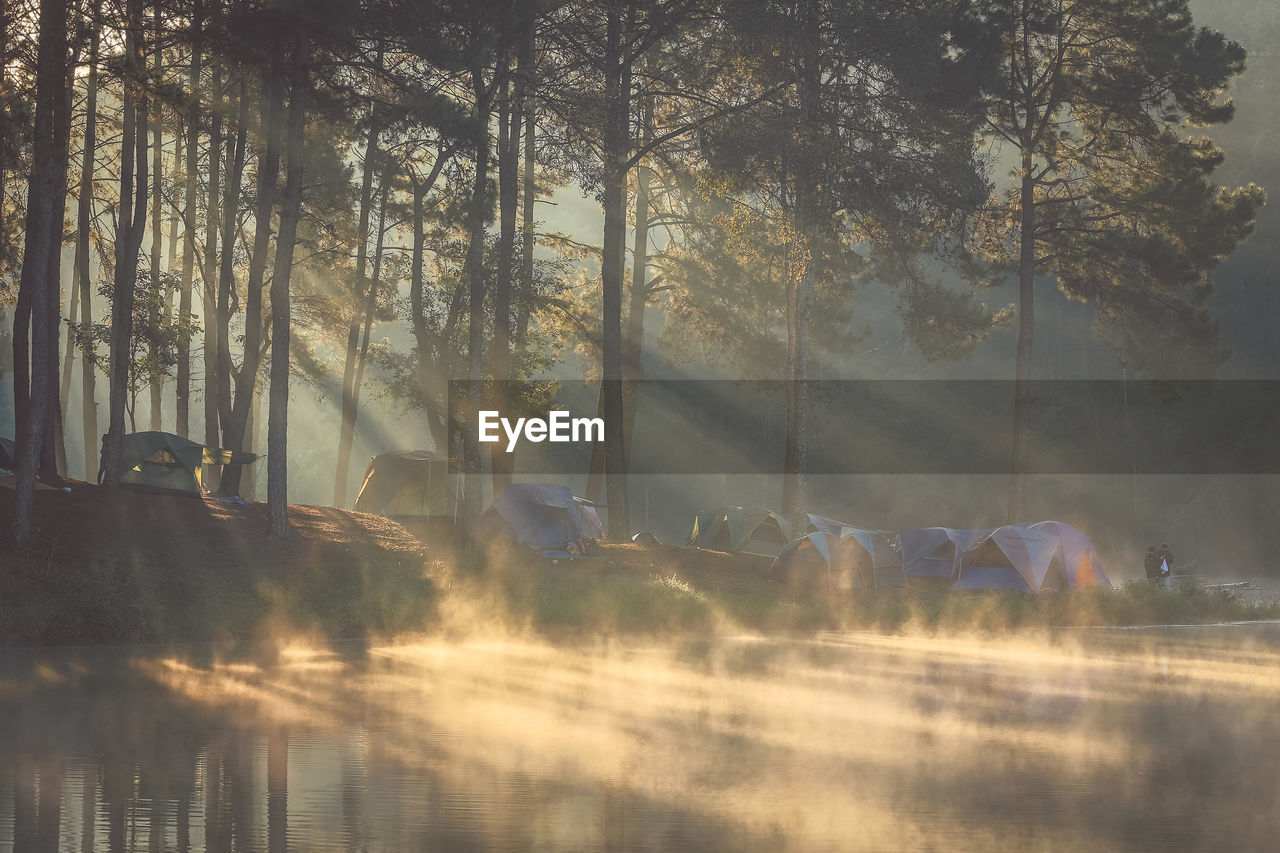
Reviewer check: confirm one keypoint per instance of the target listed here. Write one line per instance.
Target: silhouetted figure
(1166, 563)
(1152, 565)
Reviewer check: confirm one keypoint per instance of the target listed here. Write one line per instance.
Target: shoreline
(137, 569)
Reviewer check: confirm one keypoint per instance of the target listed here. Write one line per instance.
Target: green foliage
(1097, 98)
(157, 331)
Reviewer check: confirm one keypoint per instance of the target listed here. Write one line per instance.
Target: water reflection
(1085, 740)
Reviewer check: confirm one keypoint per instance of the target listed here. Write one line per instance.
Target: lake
(1154, 739)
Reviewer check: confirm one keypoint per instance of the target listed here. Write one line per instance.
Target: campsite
(677, 426)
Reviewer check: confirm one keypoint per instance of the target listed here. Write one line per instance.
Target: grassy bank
(138, 568)
(666, 590)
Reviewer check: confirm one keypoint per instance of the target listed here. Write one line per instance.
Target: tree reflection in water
(1087, 740)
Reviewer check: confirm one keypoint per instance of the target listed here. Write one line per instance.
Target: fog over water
(1119, 740)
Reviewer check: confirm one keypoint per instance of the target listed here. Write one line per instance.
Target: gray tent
(754, 530)
(1043, 557)
(162, 461)
(839, 556)
(412, 484)
(543, 516)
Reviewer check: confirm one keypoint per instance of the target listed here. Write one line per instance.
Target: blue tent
(542, 516)
(839, 556)
(1043, 557)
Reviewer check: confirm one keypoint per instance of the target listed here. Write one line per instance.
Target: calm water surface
(1088, 740)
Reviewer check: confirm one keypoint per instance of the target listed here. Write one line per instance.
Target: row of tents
(1030, 558)
(1046, 556)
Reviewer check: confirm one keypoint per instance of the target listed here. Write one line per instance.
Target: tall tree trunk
(1026, 327)
(429, 372)
(614, 199)
(38, 291)
(502, 463)
(290, 211)
(235, 430)
(477, 214)
(226, 267)
(84, 221)
(371, 301)
(347, 429)
(209, 276)
(247, 480)
(634, 351)
(183, 386)
(530, 188)
(68, 348)
(157, 200)
(800, 281)
(129, 233)
(53, 451)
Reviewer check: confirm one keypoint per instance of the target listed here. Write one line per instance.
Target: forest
(214, 211)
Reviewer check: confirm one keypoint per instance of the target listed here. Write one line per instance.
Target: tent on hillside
(412, 484)
(928, 552)
(545, 517)
(1080, 560)
(1042, 557)
(754, 530)
(1015, 556)
(838, 556)
(162, 461)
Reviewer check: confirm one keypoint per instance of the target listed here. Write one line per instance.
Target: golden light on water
(844, 741)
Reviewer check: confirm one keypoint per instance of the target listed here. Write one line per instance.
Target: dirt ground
(91, 524)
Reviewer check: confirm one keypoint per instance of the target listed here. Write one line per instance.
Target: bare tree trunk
(477, 213)
(53, 451)
(209, 275)
(290, 211)
(247, 486)
(371, 301)
(639, 289)
(235, 431)
(800, 282)
(530, 187)
(502, 463)
(226, 268)
(614, 200)
(38, 292)
(346, 432)
(429, 372)
(157, 199)
(129, 233)
(68, 348)
(1026, 329)
(84, 221)
(183, 387)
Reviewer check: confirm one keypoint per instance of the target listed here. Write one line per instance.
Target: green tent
(411, 484)
(754, 530)
(168, 462)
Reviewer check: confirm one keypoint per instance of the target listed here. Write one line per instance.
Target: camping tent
(839, 556)
(928, 552)
(167, 462)
(755, 530)
(1041, 557)
(1079, 558)
(411, 483)
(1015, 556)
(542, 516)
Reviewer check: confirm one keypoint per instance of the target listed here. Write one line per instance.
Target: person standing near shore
(1165, 556)
(1152, 565)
